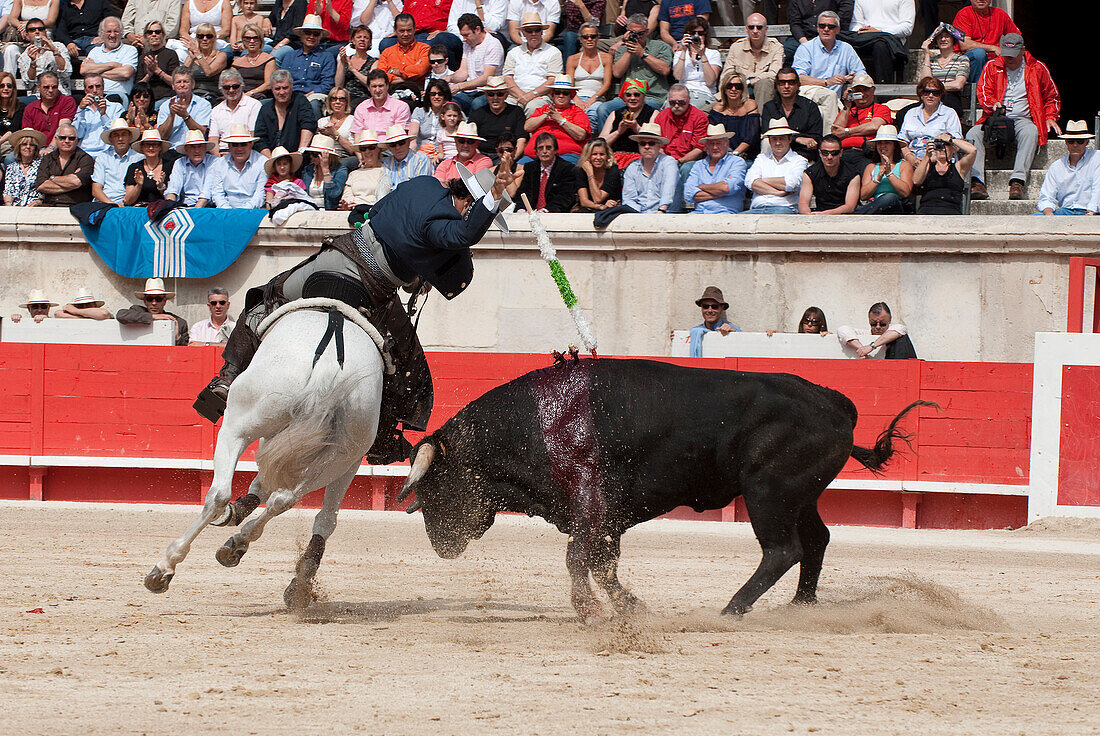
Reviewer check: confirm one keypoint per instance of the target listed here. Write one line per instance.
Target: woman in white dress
(218, 13)
(590, 69)
(696, 65)
(369, 183)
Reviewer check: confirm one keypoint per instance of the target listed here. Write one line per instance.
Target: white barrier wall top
(86, 332)
(762, 345)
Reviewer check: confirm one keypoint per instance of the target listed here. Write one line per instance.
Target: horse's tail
(301, 454)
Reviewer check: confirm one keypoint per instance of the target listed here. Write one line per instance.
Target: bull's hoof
(735, 610)
(230, 553)
(298, 595)
(157, 580)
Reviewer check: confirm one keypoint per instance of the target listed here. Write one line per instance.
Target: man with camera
(43, 55)
(94, 115)
(643, 59)
(860, 119)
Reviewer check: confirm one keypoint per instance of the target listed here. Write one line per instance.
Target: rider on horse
(419, 234)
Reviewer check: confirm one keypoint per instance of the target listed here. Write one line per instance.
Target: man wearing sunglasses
(154, 300)
(756, 58)
(825, 64)
(65, 175)
(802, 19)
(497, 118)
(236, 108)
(42, 55)
(216, 329)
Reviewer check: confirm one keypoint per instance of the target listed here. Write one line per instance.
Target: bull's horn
(413, 507)
(419, 467)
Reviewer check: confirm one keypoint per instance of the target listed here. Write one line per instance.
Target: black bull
(597, 446)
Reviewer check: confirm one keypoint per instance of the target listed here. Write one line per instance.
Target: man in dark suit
(549, 181)
(421, 233)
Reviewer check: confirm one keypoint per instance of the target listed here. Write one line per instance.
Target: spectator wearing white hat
(368, 183)
(111, 165)
(1072, 183)
(154, 300)
(529, 66)
(888, 181)
(147, 178)
(189, 182)
(313, 69)
(21, 175)
(466, 140)
(37, 306)
(499, 117)
(716, 184)
(520, 12)
(400, 161)
(84, 306)
(562, 118)
(775, 177)
(215, 329)
(237, 180)
(650, 182)
(322, 173)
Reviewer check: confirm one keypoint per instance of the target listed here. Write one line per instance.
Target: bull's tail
(875, 458)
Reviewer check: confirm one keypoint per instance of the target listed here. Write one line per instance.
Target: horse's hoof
(631, 607)
(229, 554)
(157, 580)
(736, 610)
(298, 595)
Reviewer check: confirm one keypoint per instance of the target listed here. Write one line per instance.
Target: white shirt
(889, 16)
(494, 11)
(549, 10)
(918, 131)
(489, 52)
(221, 117)
(205, 331)
(693, 77)
(381, 23)
(124, 54)
(790, 167)
(531, 68)
(847, 332)
(1075, 187)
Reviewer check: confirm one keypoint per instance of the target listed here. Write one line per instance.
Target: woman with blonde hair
(207, 63)
(336, 123)
(599, 181)
(255, 64)
(737, 113)
(20, 175)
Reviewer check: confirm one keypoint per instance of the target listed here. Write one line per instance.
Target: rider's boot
(239, 349)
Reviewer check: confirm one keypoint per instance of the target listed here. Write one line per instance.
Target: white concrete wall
(969, 288)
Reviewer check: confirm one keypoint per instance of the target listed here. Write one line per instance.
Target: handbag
(998, 132)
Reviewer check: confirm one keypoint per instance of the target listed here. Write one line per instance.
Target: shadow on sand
(466, 611)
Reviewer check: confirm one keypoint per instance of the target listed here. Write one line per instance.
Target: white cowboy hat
(716, 132)
(561, 82)
(154, 287)
(467, 131)
(190, 138)
(479, 185)
(649, 131)
(239, 133)
(898, 104)
(31, 133)
(118, 124)
(321, 144)
(150, 136)
(37, 296)
(779, 126)
(396, 134)
(1077, 130)
(495, 84)
(530, 20)
(366, 137)
(312, 23)
(280, 152)
(887, 133)
(86, 299)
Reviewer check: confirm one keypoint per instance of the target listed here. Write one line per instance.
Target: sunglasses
(250, 38)
(632, 94)
(589, 37)
(436, 93)
(677, 103)
(230, 87)
(711, 306)
(220, 303)
(36, 28)
(66, 137)
(438, 61)
(735, 85)
(335, 98)
(489, 94)
(154, 32)
(311, 33)
(7, 85)
(204, 35)
(811, 321)
(562, 92)
(786, 81)
(36, 307)
(506, 149)
(238, 145)
(827, 26)
(370, 147)
(933, 92)
(153, 299)
(824, 152)
(756, 28)
(646, 144)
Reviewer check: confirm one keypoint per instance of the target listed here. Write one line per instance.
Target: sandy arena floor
(919, 632)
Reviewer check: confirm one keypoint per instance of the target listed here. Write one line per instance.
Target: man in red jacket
(1020, 85)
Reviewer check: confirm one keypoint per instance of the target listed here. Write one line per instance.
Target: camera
(39, 42)
(696, 39)
(631, 37)
(939, 145)
(855, 96)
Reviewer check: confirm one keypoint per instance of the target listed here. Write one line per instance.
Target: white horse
(315, 419)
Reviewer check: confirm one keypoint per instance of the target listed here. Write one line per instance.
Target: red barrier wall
(135, 402)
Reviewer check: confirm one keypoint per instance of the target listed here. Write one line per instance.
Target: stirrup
(210, 403)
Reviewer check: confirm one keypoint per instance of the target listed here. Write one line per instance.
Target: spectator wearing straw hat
(84, 306)
(189, 182)
(400, 161)
(147, 178)
(153, 307)
(549, 181)
(519, 15)
(650, 182)
(322, 173)
(370, 181)
(529, 66)
(287, 119)
(237, 180)
(215, 329)
(111, 164)
(714, 307)
(183, 111)
(282, 167)
(887, 182)
(65, 174)
(775, 177)
(716, 185)
(236, 108)
(497, 118)
(562, 118)
(37, 306)
(312, 69)
(1072, 183)
(466, 140)
(21, 175)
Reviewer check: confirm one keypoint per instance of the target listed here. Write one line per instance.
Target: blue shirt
(110, 172)
(415, 164)
(314, 72)
(124, 54)
(90, 124)
(678, 12)
(813, 60)
(189, 181)
(731, 170)
(695, 336)
(229, 188)
(645, 193)
(199, 109)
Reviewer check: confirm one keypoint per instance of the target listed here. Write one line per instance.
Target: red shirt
(566, 144)
(985, 29)
(337, 30)
(683, 133)
(859, 116)
(46, 122)
(430, 15)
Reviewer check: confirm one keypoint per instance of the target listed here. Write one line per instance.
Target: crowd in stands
(336, 102)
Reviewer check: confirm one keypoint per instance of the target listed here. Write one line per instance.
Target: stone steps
(1003, 206)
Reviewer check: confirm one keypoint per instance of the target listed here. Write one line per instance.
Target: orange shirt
(412, 65)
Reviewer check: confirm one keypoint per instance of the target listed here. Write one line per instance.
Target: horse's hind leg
(231, 443)
(299, 593)
(230, 553)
